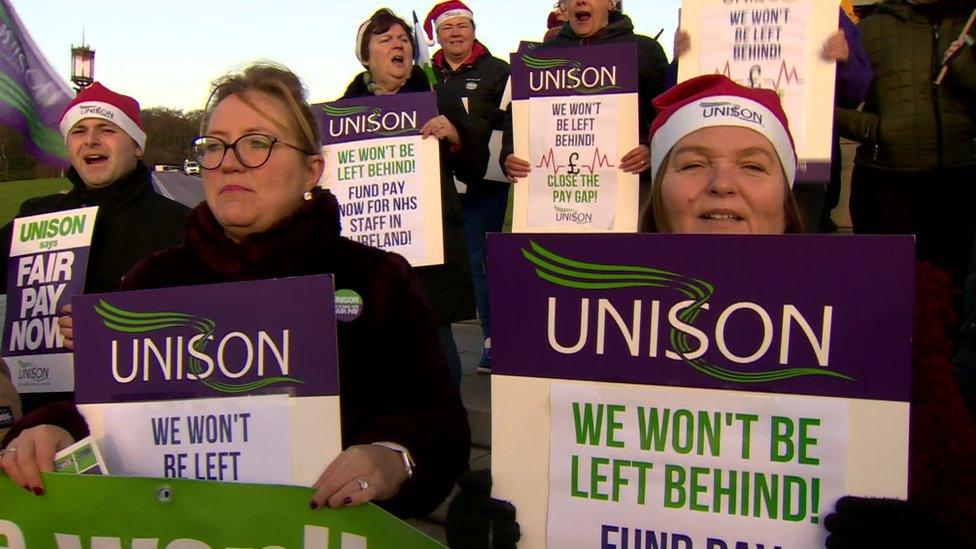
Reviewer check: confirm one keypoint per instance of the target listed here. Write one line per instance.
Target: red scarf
(477, 51)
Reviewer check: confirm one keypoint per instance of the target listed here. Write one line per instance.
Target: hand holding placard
(32, 453)
(360, 474)
(66, 326)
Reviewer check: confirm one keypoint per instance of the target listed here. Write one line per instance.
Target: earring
(307, 196)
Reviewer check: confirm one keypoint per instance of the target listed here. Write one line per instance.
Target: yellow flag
(849, 10)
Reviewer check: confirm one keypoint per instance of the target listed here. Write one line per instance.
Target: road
(186, 189)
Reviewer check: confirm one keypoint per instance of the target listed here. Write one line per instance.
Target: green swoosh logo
(333, 110)
(539, 63)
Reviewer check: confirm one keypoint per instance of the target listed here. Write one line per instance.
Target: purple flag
(32, 96)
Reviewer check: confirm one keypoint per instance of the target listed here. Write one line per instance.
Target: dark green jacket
(908, 123)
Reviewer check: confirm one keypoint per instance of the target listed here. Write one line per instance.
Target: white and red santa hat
(715, 100)
(442, 12)
(97, 101)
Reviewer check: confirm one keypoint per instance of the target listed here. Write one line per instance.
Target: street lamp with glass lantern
(82, 66)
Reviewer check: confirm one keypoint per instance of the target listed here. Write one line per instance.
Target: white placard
(770, 51)
(574, 157)
(641, 463)
(389, 194)
(237, 439)
(775, 45)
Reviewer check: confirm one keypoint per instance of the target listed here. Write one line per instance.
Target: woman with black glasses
(404, 431)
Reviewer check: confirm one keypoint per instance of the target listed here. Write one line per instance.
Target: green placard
(188, 514)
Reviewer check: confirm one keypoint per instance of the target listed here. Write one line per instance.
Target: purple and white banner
(32, 95)
(233, 382)
(587, 71)
(47, 266)
(568, 105)
(697, 390)
(384, 175)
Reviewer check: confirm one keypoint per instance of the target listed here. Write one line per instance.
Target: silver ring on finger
(362, 484)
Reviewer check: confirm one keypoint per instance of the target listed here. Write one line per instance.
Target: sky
(166, 52)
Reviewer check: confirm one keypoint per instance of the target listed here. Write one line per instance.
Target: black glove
(858, 523)
(475, 520)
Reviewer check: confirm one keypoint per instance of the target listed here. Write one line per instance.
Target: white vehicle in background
(191, 167)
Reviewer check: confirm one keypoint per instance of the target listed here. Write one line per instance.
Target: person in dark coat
(465, 68)
(385, 47)
(596, 22)
(915, 169)
(404, 430)
(105, 141)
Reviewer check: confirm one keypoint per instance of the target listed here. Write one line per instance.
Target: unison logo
(697, 333)
(29, 373)
(572, 216)
(95, 110)
(363, 120)
(563, 74)
(234, 362)
(50, 228)
(713, 109)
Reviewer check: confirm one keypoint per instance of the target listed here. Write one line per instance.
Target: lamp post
(82, 66)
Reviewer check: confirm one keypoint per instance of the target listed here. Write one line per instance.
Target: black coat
(482, 81)
(393, 379)
(133, 222)
(448, 286)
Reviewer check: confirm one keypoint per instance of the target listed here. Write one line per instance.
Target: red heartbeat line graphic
(726, 71)
(600, 160)
(549, 160)
(790, 74)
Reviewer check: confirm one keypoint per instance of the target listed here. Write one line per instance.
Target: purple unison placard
(242, 338)
(587, 70)
(38, 286)
(374, 117)
(801, 314)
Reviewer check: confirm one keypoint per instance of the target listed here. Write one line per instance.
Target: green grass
(13, 193)
(507, 224)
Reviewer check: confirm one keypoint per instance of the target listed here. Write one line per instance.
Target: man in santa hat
(465, 68)
(105, 141)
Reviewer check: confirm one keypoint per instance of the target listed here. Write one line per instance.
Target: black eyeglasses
(252, 150)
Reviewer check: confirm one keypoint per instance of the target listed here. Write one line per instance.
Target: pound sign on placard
(572, 168)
